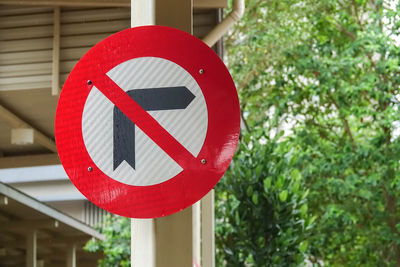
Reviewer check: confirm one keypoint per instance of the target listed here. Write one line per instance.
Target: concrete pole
(71, 255)
(173, 240)
(31, 249)
(207, 230)
(143, 252)
(143, 243)
(143, 12)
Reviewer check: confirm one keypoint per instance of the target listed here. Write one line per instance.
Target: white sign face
(170, 95)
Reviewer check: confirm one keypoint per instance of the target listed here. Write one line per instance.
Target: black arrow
(165, 98)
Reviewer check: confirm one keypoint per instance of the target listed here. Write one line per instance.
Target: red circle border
(220, 143)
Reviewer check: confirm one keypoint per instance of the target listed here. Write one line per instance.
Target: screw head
(89, 82)
(203, 161)
(90, 169)
(201, 71)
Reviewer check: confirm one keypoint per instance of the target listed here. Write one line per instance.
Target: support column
(55, 78)
(172, 13)
(173, 240)
(31, 248)
(196, 233)
(71, 255)
(143, 244)
(175, 13)
(143, 12)
(207, 231)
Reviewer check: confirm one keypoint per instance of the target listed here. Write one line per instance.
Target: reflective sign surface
(147, 122)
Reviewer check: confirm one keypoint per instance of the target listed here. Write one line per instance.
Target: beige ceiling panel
(204, 17)
(26, 60)
(24, 79)
(24, 86)
(94, 27)
(37, 107)
(26, 19)
(7, 149)
(26, 33)
(29, 160)
(111, 3)
(26, 42)
(73, 16)
(89, 3)
(73, 53)
(67, 65)
(63, 77)
(25, 57)
(25, 83)
(202, 31)
(204, 21)
(82, 40)
(19, 70)
(24, 45)
(21, 10)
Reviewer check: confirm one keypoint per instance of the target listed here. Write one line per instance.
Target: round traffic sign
(147, 122)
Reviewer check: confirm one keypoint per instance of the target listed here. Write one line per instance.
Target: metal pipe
(230, 20)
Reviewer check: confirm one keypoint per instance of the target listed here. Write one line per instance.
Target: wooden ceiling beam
(29, 224)
(15, 122)
(107, 3)
(13, 260)
(4, 215)
(29, 160)
(47, 241)
(210, 3)
(86, 3)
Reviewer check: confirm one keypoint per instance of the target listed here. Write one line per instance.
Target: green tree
(116, 245)
(327, 73)
(262, 208)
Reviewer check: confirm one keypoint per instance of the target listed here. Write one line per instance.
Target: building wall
(26, 73)
(26, 41)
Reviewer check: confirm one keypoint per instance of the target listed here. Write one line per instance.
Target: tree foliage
(326, 72)
(116, 245)
(262, 208)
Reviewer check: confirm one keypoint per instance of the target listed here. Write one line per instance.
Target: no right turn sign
(147, 122)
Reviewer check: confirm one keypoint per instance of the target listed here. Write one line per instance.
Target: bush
(116, 246)
(261, 212)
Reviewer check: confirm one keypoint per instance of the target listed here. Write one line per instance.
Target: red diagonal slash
(145, 122)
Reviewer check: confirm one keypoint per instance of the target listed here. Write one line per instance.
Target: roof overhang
(20, 214)
(108, 3)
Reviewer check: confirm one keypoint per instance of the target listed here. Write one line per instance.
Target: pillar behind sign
(173, 240)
